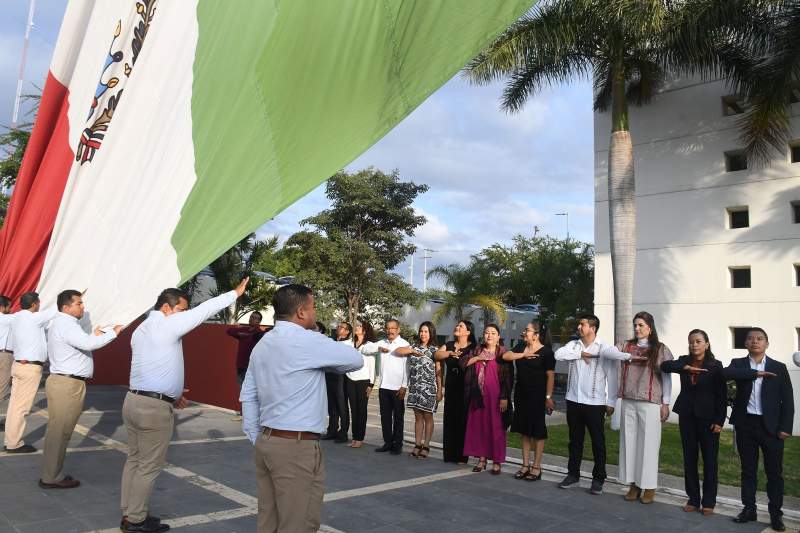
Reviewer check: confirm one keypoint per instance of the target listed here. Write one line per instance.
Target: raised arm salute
(156, 388)
(71, 364)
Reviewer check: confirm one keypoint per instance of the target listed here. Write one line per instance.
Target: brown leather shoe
(689, 508)
(67, 483)
(707, 511)
(633, 493)
(648, 495)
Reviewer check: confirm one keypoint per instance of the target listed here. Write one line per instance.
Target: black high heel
(481, 466)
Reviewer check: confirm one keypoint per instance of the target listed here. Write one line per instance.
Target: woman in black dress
(455, 409)
(533, 396)
(701, 408)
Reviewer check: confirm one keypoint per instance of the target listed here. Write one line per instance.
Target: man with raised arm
(156, 388)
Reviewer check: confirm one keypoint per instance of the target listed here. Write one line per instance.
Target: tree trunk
(622, 226)
(352, 309)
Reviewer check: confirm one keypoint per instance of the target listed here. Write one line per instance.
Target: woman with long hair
(487, 381)
(701, 407)
(535, 367)
(358, 384)
(455, 411)
(645, 393)
(424, 385)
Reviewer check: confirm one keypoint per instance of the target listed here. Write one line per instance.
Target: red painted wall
(209, 357)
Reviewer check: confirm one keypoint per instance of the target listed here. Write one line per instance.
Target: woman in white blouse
(358, 384)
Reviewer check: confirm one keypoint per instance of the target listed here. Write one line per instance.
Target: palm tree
(464, 284)
(626, 47)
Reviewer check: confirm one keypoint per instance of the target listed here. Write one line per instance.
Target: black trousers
(338, 417)
(356, 396)
(751, 435)
(582, 417)
(696, 433)
(392, 411)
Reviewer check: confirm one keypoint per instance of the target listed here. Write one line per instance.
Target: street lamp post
(565, 214)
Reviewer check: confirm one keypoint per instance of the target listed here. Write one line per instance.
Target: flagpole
(28, 27)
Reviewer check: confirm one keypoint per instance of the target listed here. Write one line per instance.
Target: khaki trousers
(6, 360)
(65, 397)
(291, 478)
(149, 423)
(24, 384)
(639, 443)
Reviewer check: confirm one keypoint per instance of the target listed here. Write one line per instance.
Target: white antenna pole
(28, 27)
(411, 271)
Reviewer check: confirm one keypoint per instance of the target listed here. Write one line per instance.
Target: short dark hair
(28, 300)
(288, 299)
(758, 329)
(65, 297)
(591, 319)
(257, 313)
(171, 297)
(321, 328)
(385, 324)
(5, 301)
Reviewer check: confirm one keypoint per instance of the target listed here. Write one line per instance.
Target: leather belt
(73, 376)
(156, 395)
(7, 351)
(26, 362)
(284, 434)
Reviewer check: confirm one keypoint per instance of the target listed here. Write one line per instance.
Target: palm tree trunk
(622, 224)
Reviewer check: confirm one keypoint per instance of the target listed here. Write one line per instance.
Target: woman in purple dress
(487, 382)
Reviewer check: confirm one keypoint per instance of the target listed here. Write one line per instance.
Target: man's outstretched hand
(242, 286)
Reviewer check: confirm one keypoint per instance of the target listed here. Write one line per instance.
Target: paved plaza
(209, 486)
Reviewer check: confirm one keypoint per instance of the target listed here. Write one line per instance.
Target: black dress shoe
(747, 515)
(384, 448)
(151, 518)
(149, 525)
(328, 436)
(25, 448)
(396, 451)
(340, 440)
(776, 522)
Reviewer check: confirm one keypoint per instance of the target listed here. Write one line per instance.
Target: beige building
(718, 244)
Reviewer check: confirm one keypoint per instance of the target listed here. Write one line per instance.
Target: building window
(740, 277)
(738, 336)
(797, 275)
(738, 217)
(797, 330)
(796, 212)
(735, 160)
(794, 151)
(732, 104)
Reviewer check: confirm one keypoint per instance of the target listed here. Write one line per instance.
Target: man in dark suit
(762, 415)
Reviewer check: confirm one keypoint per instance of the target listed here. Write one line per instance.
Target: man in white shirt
(591, 395)
(393, 388)
(156, 388)
(284, 403)
(6, 353)
(69, 348)
(30, 354)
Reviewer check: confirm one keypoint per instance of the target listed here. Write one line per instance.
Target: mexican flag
(170, 129)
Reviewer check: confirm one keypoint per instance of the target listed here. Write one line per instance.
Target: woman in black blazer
(701, 408)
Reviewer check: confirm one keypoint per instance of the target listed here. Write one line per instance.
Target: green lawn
(672, 455)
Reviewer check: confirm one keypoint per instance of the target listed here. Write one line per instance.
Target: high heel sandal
(417, 449)
(530, 476)
(481, 466)
(522, 473)
(496, 469)
(423, 453)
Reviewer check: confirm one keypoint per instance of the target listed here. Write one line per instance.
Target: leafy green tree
(3, 208)
(557, 274)
(626, 47)
(349, 252)
(14, 142)
(235, 264)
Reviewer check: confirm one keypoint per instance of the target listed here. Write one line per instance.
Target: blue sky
(491, 175)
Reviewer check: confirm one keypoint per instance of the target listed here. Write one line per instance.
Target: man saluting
(156, 388)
